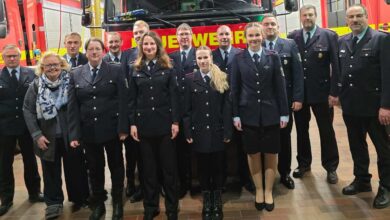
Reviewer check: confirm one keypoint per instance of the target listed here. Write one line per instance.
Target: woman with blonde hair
(45, 112)
(207, 126)
(260, 109)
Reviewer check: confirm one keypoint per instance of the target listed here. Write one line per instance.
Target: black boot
(98, 212)
(207, 206)
(117, 205)
(217, 207)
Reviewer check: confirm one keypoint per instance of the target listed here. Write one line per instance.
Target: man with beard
(318, 49)
(184, 62)
(292, 68)
(114, 44)
(73, 56)
(365, 100)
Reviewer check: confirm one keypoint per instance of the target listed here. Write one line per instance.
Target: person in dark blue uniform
(45, 113)
(97, 113)
(292, 67)
(259, 109)
(14, 82)
(154, 120)
(318, 50)
(207, 126)
(365, 100)
(184, 62)
(73, 56)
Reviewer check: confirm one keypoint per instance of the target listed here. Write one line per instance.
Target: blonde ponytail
(219, 79)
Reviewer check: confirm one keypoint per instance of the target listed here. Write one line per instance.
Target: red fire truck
(38, 25)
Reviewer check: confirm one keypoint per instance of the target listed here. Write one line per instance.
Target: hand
(42, 142)
(237, 125)
(226, 140)
(134, 133)
(283, 124)
(74, 144)
(190, 140)
(175, 131)
(333, 101)
(384, 116)
(123, 136)
(296, 106)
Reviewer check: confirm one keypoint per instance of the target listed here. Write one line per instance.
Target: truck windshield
(195, 12)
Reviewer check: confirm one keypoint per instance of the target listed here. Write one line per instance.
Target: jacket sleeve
(123, 123)
(385, 71)
(297, 74)
(174, 96)
(334, 61)
(187, 122)
(30, 113)
(73, 111)
(132, 100)
(235, 86)
(280, 86)
(227, 116)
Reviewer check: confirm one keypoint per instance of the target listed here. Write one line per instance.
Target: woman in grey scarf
(45, 112)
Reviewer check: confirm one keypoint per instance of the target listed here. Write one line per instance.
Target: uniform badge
(281, 71)
(320, 55)
(299, 57)
(285, 62)
(266, 67)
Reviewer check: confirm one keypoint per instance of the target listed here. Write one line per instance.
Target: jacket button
(95, 119)
(17, 99)
(350, 66)
(94, 108)
(305, 51)
(151, 87)
(304, 77)
(258, 92)
(257, 74)
(17, 107)
(258, 83)
(351, 57)
(94, 97)
(152, 98)
(259, 100)
(117, 114)
(350, 84)
(349, 75)
(377, 89)
(94, 87)
(207, 103)
(193, 128)
(207, 91)
(17, 116)
(207, 127)
(207, 115)
(139, 114)
(152, 108)
(305, 60)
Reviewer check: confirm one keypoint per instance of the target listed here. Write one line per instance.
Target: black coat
(365, 74)
(11, 101)
(208, 117)
(127, 58)
(320, 64)
(97, 109)
(82, 60)
(259, 97)
(292, 67)
(153, 100)
(219, 61)
(189, 66)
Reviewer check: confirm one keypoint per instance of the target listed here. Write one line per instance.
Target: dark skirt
(261, 139)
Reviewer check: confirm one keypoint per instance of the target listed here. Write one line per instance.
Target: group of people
(167, 107)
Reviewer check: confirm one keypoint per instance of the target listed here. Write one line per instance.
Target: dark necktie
(116, 59)
(73, 61)
(226, 58)
(150, 65)
(183, 58)
(271, 45)
(94, 73)
(308, 37)
(14, 79)
(354, 43)
(257, 61)
(207, 79)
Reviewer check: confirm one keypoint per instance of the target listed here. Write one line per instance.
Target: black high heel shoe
(260, 206)
(269, 207)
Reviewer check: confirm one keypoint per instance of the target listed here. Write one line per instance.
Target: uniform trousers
(96, 162)
(133, 161)
(31, 175)
(324, 118)
(184, 160)
(159, 156)
(75, 175)
(284, 156)
(357, 128)
(211, 170)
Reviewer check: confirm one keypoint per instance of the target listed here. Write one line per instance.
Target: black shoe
(78, 205)
(117, 212)
(250, 187)
(5, 207)
(36, 198)
(217, 205)
(53, 211)
(269, 207)
(130, 190)
(332, 177)
(300, 171)
(151, 215)
(287, 181)
(182, 192)
(259, 206)
(207, 205)
(357, 187)
(98, 212)
(137, 196)
(172, 216)
(382, 198)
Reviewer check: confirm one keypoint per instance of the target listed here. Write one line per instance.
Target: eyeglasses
(52, 65)
(12, 56)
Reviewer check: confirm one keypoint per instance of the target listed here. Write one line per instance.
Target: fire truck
(38, 25)
(164, 16)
